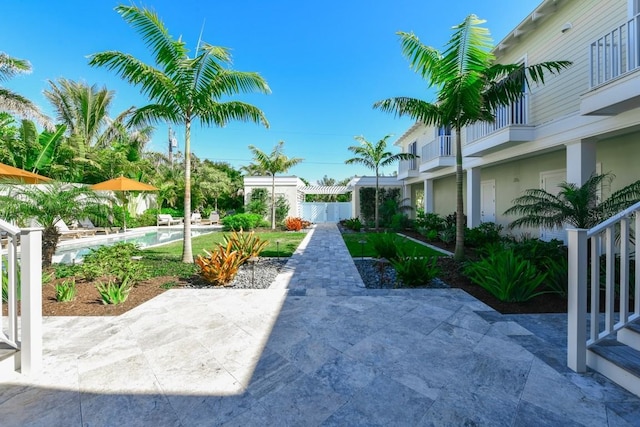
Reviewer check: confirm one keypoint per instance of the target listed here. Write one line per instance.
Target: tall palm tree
(183, 89)
(13, 103)
(374, 157)
(276, 162)
(47, 204)
(470, 86)
(573, 205)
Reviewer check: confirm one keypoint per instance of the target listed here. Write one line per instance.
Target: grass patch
(356, 249)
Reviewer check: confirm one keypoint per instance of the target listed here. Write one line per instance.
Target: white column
(31, 278)
(428, 195)
(473, 197)
(577, 301)
(581, 161)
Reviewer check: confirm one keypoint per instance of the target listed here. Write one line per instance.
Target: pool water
(74, 253)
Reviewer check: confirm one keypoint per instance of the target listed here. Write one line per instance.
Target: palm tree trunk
(273, 201)
(459, 251)
(50, 238)
(187, 250)
(376, 202)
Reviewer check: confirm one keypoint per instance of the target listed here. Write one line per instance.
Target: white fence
(442, 146)
(318, 212)
(511, 115)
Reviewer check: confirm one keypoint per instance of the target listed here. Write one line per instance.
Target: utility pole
(173, 143)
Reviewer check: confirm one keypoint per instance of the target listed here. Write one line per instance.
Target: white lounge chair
(214, 218)
(167, 219)
(196, 218)
(67, 233)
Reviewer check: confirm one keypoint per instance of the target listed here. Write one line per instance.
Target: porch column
(581, 161)
(473, 197)
(428, 195)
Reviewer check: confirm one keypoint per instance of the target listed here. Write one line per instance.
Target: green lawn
(280, 244)
(356, 249)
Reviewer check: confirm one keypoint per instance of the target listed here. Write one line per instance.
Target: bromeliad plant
(507, 276)
(220, 266)
(247, 244)
(66, 290)
(113, 292)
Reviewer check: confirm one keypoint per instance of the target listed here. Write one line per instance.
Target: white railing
(510, 115)
(442, 146)
(613, 239)
(407, 165)
(615, 53)
(24, 288)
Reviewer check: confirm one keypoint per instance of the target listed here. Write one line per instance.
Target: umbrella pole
(124, 212)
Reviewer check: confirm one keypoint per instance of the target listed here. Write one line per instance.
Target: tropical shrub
(293, 224)
(386, 245)
(482, 235)
(66, 290)
(506, 276)
(115, 262)
(258, 203)
(5, 282)
(220, 266)
(282, 209)
(242, 221)
(113, 292)
(550, 257)
(415, 271)
(428, 221)
(246, 244)
(353, 224)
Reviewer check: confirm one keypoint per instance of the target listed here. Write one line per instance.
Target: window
(413, 149)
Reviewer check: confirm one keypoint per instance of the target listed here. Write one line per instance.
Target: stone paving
(315, 349)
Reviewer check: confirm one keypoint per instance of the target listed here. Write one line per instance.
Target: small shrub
(66, 290)
(246, 244)
(169, 285)
(66, 270)
(431, 235)
(386, 245)
(429, 221)
(353, 224)
(115, 262)
(293, 224)
(506, 276)
(113, 292)
(242, 221)
(414, 270)
(447, 235)
(306, 224)
(220, 266)
(400, 222)
(550, 257)
(482, 235)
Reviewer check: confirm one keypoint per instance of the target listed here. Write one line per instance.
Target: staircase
(606, 340)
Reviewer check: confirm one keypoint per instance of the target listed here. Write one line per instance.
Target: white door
(549, 182)
(488, 201)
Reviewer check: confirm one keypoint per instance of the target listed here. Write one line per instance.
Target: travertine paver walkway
(324, 352)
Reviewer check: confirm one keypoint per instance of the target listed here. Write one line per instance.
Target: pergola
(325, 189)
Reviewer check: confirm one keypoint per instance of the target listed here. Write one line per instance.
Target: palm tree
(573, 205)
(374, 157)
(470, 87)
(13, 103)
(183, 89)
(274, 163)
(47, 204)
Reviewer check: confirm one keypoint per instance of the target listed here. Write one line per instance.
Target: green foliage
(113, 292)
(386, 245)
(507, 276)
(114, 261)
(169, 285)
(246, 244)
(243, 221)
(66, 290)
(386, 197)
(485, 234)
(550, 257)
(258, 203)
(147, 219)
(282, 209)
(220, 266)
(428, 221)
(415, 270)
(353, 224)
(5, 282)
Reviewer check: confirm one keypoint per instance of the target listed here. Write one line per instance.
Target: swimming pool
(71, 252)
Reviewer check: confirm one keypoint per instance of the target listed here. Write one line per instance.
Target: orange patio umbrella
(125, 185)
(10, 173)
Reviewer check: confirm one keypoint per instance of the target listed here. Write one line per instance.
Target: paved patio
(315, 349)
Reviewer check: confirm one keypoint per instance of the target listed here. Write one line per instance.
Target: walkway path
(323, 352)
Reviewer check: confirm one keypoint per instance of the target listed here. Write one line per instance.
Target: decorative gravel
(258, 276)
(379, 275)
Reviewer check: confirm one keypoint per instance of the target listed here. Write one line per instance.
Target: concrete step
(8, 359)
(618, 362)
(630, 334)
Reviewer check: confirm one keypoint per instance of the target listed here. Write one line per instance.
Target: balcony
(509, 128)
(408, 169)
(614, 65)
(438, 154)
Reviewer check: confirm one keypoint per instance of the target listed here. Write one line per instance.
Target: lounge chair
(67, 233)
(214, 218)
(167, 219)
(87, 224)
(196, 218)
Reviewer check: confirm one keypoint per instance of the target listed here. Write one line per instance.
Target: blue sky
(326, 63)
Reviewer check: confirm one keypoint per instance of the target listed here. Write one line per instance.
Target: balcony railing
(513, 114)
(442, 146)
(407, 166)
(615, 53)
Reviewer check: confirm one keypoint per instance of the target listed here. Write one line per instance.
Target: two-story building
(586, 119)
